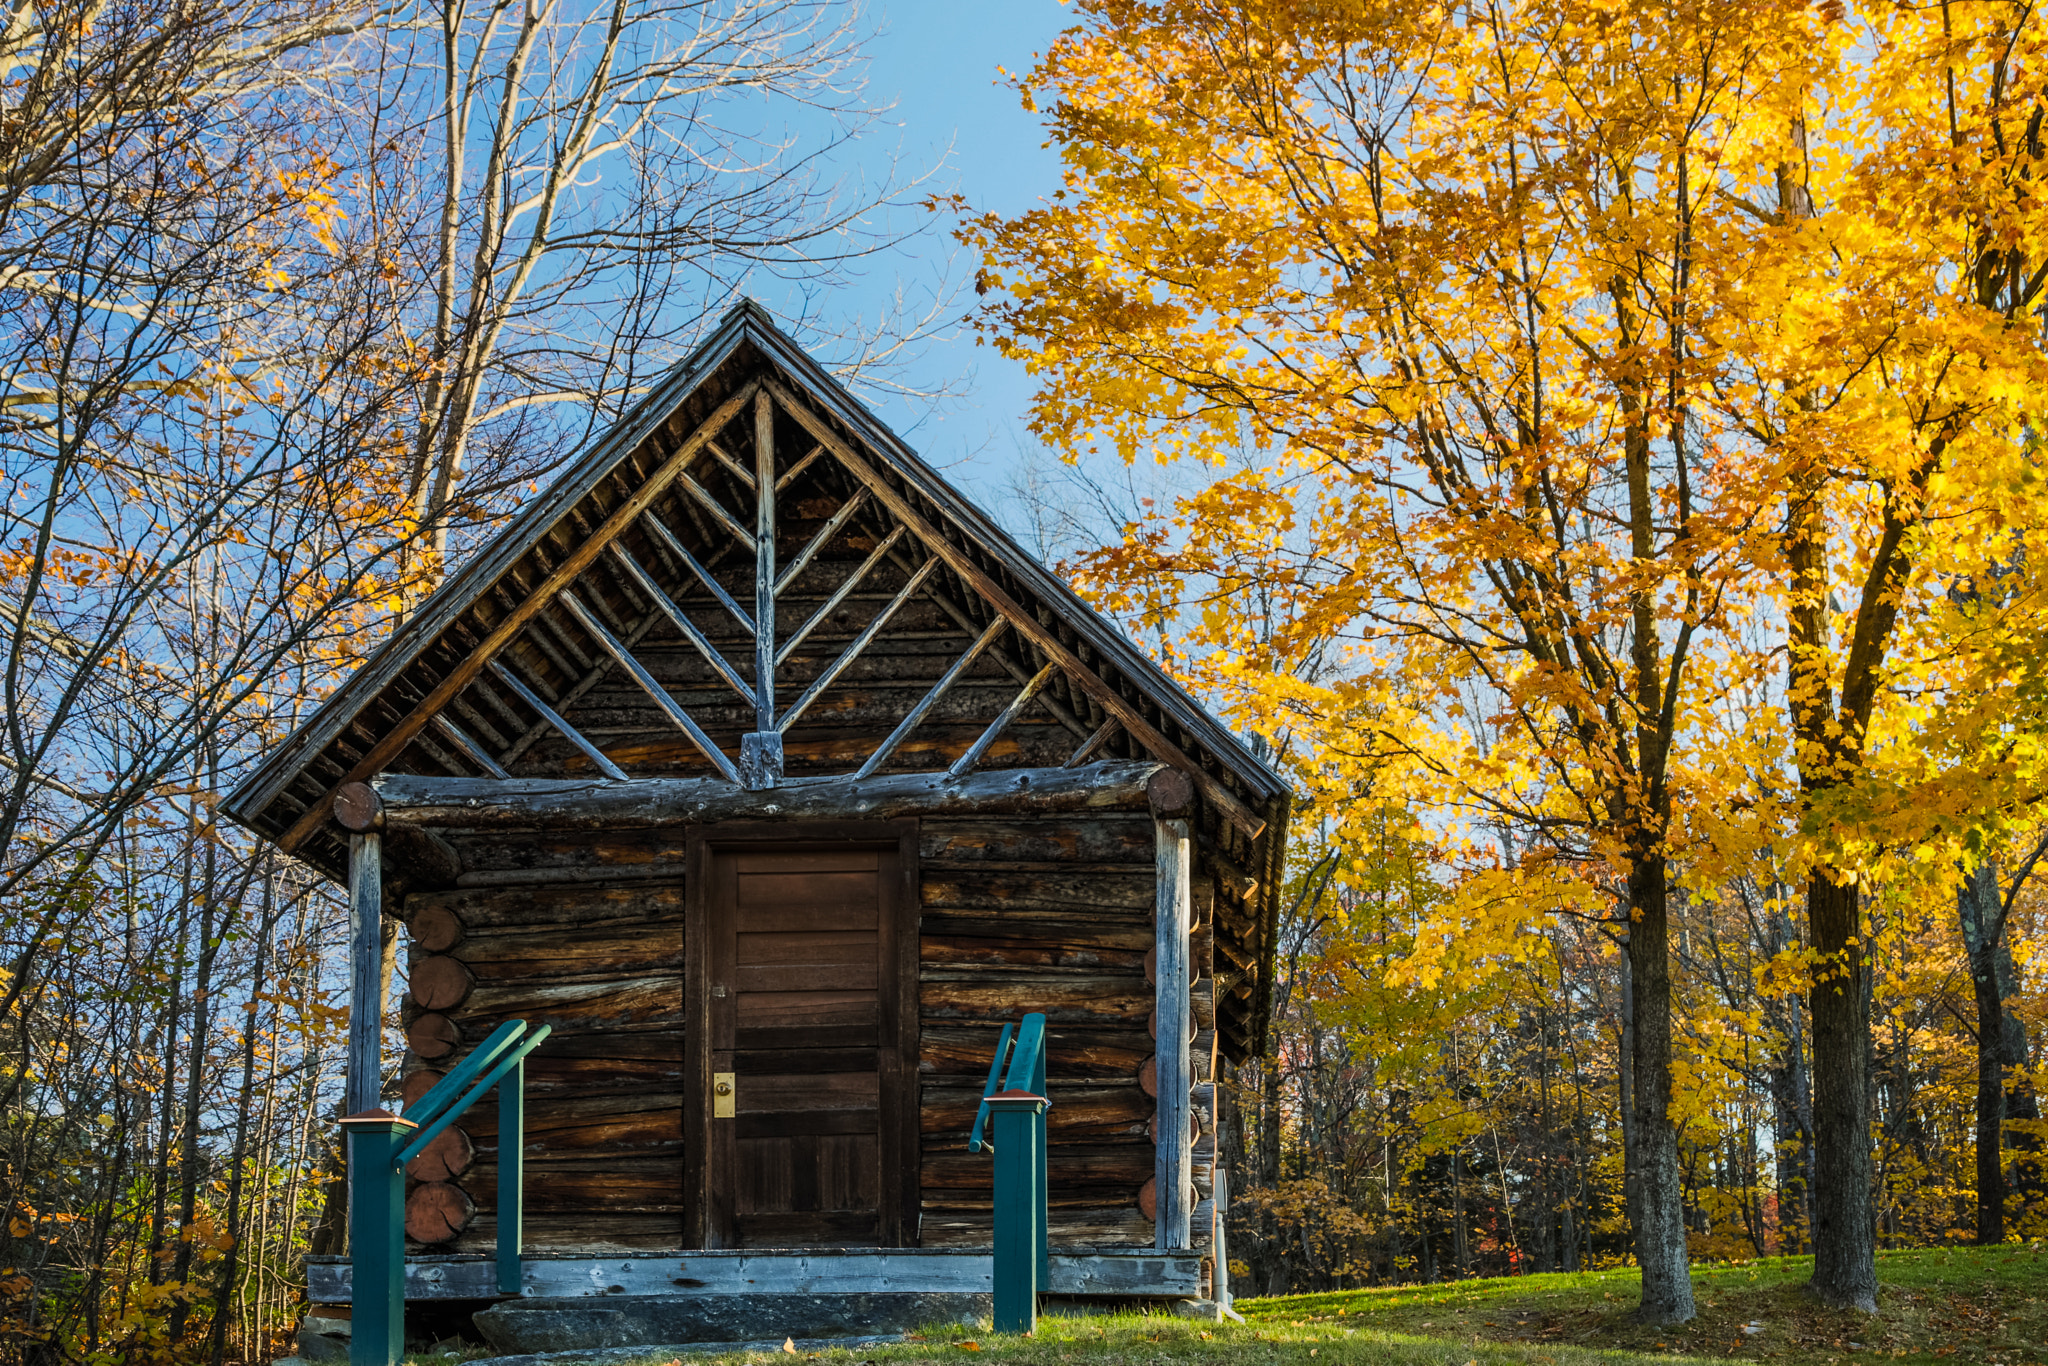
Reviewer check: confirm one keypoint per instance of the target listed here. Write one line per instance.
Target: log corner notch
(412, 859)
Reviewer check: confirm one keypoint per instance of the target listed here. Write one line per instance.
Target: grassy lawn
(1937, 1308)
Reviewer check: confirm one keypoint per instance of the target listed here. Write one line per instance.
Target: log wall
(586, 934)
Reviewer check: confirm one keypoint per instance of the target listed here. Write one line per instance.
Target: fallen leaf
(968, 1346)
(789, 1346)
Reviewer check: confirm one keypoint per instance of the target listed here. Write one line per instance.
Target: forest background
(1592, 450)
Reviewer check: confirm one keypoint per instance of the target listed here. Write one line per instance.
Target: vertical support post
(1041, 1207)
(376, 1215)
(1172, 1158)
(1018, 1119)
(364, 1078)
(365, 973)
(761, 752)
(511, 1182)
(1219, 1245)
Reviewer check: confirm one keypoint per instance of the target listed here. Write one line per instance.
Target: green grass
(1937, 1307)
(1940, 1307)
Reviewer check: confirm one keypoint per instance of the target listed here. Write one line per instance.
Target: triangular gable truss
(749, 518)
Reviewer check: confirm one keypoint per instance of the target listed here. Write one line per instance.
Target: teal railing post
(1041, 1205)
(1018, 1118)
(376, 1218)
(511, 1162)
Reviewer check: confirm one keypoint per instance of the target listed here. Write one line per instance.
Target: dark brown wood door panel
(805, 950)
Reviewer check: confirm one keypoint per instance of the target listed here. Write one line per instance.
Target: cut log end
(358, 808)
(439, 982)
(1148, 1198)
(445, 1159)
(1171, 794)
(1148, 1076)
(417, 1084)
(432, 1037)
(437, 1212)
(435, 929)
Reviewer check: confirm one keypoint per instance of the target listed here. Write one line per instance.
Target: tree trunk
(1844, 1231)
(2001, 1044)
(1657, 1211)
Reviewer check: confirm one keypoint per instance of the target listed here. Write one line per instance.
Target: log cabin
(751, 753)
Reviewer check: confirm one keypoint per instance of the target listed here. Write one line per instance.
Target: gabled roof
(648, 544)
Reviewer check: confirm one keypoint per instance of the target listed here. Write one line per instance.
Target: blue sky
(938, 64)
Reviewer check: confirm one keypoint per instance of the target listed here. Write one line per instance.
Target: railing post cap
(1018, 1099)
(379, 1116)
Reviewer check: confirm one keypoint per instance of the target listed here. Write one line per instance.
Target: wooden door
(804, 986)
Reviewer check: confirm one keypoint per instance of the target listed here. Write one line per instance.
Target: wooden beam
(678, 549)
(1095, 741)
(765, 658)
(551, 717)
(938, 594)
(1044, 637)
(524, 803)
(819, 541)
(713, 1273)
(789, 475)
(716, 509)
(365, 1078)
(860, 643)
(1170, 943)
(650, 685)
(931, 699)
(972, 755)
(666, 606)
(846, 586)
(475, 752)
(512, 623)
(739, 471)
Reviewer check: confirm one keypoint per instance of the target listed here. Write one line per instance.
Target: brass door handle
(722, 1102)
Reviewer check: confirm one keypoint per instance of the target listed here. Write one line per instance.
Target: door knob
(722, 1095)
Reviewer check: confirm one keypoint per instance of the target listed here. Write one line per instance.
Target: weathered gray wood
(650, 685)
(931, 699)
(837, 596)
(852, 1271)
(716, 509)
(819, 541)
(676, 547)
(666, 605)
(471, 750)
(1046, 638)
(579, 558)
(564, 803)
(365, 972)
(1175, 1026)
(967, 761)
(1220, 1203)
(765, 657)
(853, 651)
(789, 475)
(1095, 741)
(549, 715)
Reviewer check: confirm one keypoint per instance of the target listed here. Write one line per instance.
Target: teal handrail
(1014, 1103)
(382, 1144)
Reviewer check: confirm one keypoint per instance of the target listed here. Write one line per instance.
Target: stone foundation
(525, 1326)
